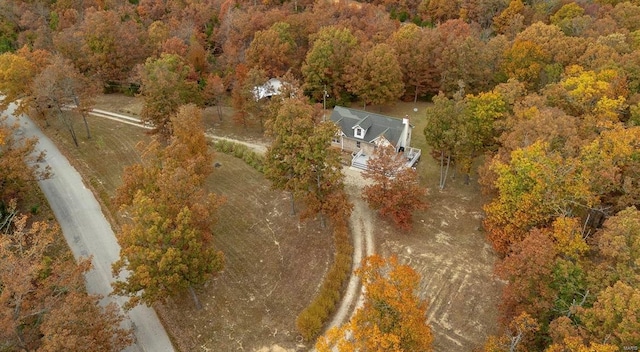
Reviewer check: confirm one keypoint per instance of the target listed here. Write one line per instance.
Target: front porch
(360, 159)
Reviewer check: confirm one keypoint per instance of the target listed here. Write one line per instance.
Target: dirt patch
(456, 265)
(274, 264)
(448, 248)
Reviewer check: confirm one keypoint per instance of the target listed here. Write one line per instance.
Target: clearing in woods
(274, 263)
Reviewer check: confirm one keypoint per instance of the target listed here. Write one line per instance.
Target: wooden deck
(360, 160)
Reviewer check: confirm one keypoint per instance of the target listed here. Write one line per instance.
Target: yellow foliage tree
(393, 318)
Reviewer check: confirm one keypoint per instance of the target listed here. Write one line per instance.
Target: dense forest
(543, 94)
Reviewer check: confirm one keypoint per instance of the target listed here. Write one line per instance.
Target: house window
(358, 144)
(335, 139)
(359, 132)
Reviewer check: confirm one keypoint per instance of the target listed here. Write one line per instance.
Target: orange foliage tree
(167, 247)
(43, 303)
(536, 186)
(16, 178)
(301, 161)
(167, 83)
(515, 337)
(393, 317)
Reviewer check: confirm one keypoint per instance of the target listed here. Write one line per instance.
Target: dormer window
(358, 132)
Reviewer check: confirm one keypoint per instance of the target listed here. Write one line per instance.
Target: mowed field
(275, 263)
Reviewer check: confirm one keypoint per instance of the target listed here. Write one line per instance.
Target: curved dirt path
(134, 121)
(89, 234)
(363, 246)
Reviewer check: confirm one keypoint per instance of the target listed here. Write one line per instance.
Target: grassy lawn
(274, 263)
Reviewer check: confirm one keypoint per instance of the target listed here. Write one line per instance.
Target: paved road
(88, 233)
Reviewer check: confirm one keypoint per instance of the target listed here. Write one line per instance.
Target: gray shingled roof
(375, 124)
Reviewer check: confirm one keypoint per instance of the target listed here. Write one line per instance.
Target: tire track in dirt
(133, 121)
(363, 246)
(457, 277)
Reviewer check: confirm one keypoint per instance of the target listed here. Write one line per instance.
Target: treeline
(198, 51)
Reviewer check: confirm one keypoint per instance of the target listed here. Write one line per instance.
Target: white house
(361, 132)
(267, 90)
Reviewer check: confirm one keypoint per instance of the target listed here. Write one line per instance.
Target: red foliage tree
(395, 191)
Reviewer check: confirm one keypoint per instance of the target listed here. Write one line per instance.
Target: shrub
(311, 320)
(240, 151)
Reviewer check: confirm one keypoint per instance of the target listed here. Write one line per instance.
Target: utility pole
(324, 103)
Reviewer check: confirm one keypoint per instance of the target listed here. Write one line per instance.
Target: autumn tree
(20, 165)
(533, 120)
(36, 108)
(16, 74)
(477, 128)
(393, 317)
(273, 50)
(166, 84)
(395, 192)
(289, 129)
(528, 269)
(516, 336)
(79, 324)
(8, 28)
(614, 315)
(60, 86)
(106, 44)
(576, 344)
(441, 10)
(236, 29)
(442, 130)
(618, 246)
(43, 302)
(301, 162)
(415, 59)
(565, 18)
(196, 56)
(376, 78)
(460, 58)
(327, 61)
(167, 247)
(525, 61)
(600, 97)
(533, 188)
(249, 108)
(241, 96)
(322, 177)
(214, 92)
(550, 39)
(612, 158)
(23, 251)
(510, 21)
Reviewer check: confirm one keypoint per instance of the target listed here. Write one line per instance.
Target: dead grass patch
(448, 248)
